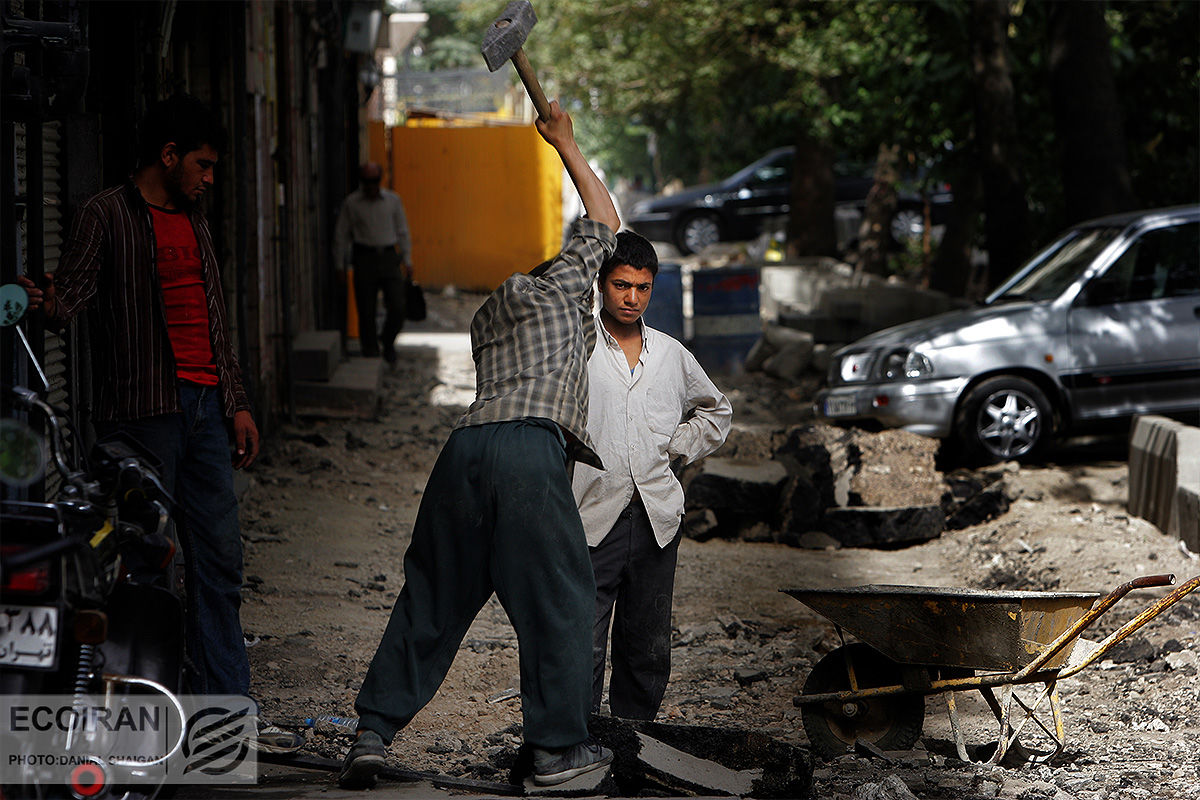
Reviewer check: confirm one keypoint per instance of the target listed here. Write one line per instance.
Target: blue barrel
(725, 317)
(665, 312)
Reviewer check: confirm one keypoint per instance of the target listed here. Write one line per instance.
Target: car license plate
(840, 406)
(28, 636)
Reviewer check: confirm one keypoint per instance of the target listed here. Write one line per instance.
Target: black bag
(414, 302)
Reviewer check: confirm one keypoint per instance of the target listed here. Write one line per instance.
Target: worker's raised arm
(560, 133)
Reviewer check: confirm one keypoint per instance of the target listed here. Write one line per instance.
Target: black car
(736, 208)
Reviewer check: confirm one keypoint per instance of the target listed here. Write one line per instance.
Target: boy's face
(626, 293)
(190, 175)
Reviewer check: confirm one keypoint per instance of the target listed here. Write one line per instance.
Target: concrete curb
(1164, 477)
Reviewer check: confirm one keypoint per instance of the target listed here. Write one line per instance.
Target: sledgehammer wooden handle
(529, 78)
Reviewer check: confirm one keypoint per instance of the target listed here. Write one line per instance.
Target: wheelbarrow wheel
(893, 722)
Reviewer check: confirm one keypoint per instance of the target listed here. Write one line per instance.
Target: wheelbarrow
(915, 641)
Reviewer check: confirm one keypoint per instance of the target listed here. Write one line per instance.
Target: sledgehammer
(504, 40)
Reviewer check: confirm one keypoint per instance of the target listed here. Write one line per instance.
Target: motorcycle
(91, 609)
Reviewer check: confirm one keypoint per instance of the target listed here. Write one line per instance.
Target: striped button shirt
(531, 339)
(108, 267)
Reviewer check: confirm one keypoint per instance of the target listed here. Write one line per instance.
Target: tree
(1087, 115)
(1006, 101)
(1006, 212)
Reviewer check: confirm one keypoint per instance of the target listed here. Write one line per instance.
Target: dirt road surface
(330, 506)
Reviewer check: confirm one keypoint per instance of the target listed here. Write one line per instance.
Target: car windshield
(771, 168)
(1058, 266)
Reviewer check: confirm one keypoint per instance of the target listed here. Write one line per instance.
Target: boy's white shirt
(640, 421)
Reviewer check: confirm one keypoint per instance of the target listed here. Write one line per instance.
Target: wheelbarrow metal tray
(972, 628)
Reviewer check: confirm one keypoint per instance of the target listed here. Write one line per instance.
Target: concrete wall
(1164, 477)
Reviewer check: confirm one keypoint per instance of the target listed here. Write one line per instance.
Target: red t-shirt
(181, 274)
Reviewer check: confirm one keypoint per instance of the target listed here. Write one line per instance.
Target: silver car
(1101, 325)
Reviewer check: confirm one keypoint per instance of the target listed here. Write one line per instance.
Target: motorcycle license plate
(28, 636)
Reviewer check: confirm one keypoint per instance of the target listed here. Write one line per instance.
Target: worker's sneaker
(274, 739)
(552, 767)
(363, 761)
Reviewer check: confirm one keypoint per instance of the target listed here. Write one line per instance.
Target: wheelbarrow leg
(959, 742)
(1009, 732)
(1058, 735)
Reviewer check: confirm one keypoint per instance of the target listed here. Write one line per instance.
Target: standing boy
(140, 260)
(652, 408)
(498, 515)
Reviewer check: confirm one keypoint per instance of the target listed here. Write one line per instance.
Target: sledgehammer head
(508, 33)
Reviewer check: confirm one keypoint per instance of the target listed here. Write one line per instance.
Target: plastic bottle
(328, 724)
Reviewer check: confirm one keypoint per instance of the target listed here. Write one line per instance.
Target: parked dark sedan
(736, 208)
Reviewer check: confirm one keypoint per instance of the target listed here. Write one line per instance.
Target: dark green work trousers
(497, 515)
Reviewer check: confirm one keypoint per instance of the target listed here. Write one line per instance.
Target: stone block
(1185, 515)
(737, 486)
(1164, 476)
(822, 357)
(659, 759)
(884, 527)
(352, 391)
(316, 355)
(686, 770)
(881, 305)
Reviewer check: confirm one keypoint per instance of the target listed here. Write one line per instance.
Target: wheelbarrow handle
(1119, 635)
(1068, 636)
(1151, 581)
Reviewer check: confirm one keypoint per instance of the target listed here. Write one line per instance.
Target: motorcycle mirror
(22, 454)
(13, 302)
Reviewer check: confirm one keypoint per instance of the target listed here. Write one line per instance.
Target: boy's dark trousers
(636, 576)
(497, 515)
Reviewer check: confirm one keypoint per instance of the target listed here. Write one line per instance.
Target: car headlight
(905, 365)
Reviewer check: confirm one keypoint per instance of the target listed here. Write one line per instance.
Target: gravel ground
(330, 506)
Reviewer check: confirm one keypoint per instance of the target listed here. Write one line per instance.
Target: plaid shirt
(108, 267)
(531, 339)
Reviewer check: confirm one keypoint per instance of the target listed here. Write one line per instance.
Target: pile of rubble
(820, 486)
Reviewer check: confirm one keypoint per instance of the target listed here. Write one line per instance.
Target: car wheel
(907, 224)
(1004, 419)
(696, 232)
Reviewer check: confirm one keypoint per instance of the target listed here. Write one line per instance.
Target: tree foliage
(694, 89)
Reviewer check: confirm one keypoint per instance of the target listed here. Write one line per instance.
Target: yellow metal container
(483, 202)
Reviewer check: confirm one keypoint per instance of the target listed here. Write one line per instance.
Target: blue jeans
(193, 447)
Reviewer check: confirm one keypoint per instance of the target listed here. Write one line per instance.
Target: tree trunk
(1087, 114)
(874, 234)
(1006, 224)
(810, 229)
(952, 268)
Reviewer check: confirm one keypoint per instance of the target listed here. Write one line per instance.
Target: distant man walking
(372, 234)
(651, 406)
